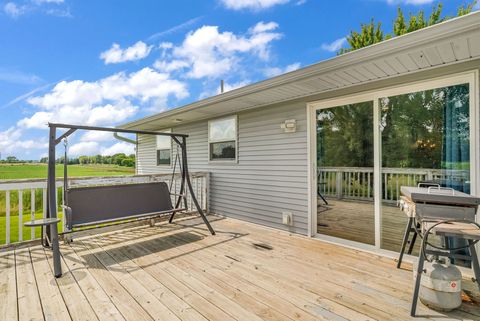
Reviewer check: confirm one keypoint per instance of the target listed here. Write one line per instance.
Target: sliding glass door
(368, 146)
(345, 172)
(425, 139)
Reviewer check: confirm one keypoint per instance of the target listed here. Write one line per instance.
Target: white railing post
(20, 215)
(339, 184)
(32, 209)
(7, 217)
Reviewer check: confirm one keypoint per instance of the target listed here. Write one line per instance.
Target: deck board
(8, 286)
(180, 272)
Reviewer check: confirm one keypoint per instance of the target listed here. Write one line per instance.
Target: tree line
(119, 159)
(371, 33)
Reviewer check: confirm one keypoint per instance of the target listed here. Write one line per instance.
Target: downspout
(124, 139)
(130, 141)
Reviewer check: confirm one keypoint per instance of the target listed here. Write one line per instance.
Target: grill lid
(435, 195)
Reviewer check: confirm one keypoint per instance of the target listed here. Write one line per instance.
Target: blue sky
(107, 62)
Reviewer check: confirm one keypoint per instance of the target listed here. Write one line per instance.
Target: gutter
(124, 139)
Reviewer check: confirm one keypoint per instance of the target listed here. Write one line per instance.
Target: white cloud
(207, 52)
(84, 148)
(251, 4)
(104, 102)
(96, 136)
(334, 46)
(263, 27)
(94, 148)
(116, 54)
(275, 71)
(169, 66)
(14, 10)
(11, 142)
(120, 147)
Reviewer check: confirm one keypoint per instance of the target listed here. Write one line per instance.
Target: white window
(222, 139)
(164, 149)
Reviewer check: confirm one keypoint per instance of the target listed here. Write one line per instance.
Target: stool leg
(405, 240)
(57, 266)
(412, 242)
(416, 291)
(475, 264)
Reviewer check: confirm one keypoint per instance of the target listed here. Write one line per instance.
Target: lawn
(24, 171)
(19, 171)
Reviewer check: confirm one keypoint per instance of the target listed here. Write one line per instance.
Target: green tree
(372, 33)
(12, 159)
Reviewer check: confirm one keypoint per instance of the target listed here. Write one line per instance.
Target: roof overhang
(450, 42)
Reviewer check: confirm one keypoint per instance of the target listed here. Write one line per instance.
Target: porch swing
(88, 206)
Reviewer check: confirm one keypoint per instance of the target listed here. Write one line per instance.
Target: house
(409, 106)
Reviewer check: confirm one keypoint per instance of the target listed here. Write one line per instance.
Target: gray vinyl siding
(270, 176)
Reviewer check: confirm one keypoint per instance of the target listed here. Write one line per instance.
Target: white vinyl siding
(271, 174)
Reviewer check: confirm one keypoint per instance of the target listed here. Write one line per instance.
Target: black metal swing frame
(52, 230)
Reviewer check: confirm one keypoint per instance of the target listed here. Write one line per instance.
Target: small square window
(163, 157)
(223, 150)
(222, 139)
(164, 149)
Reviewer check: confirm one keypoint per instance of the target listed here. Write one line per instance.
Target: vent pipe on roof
(222, 86)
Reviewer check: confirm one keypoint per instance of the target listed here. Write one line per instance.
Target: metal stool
(52, 222)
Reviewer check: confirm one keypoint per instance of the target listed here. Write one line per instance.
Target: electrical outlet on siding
(287, 218)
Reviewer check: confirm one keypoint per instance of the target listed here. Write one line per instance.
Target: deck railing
(357, 182)
(23, 200)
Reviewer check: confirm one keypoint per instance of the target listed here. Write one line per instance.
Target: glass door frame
(470, 77)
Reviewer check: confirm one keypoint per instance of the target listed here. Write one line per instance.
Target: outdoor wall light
(289, 126)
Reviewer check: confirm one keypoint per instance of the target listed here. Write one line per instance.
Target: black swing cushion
(114, 202)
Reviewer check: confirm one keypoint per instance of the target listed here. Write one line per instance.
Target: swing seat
(95, 205)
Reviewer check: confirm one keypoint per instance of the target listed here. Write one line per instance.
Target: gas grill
(439, 203)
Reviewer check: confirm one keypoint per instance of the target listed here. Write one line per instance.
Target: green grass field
(25, 171)
(20, 171)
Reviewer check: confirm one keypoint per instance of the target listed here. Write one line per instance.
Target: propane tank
(441, 285)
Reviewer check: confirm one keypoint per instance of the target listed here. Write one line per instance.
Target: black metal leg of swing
(421, 261)
(182, 191)
(475, 264)
(405, 241)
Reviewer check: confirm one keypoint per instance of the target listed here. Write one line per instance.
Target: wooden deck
(180, 272)
(354, 221)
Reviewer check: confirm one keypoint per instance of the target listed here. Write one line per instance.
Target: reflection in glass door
(345, 203)
(425, 138)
